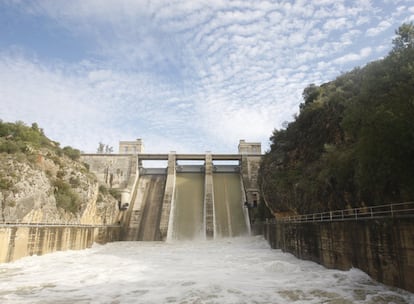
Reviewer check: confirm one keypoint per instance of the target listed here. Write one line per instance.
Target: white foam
(239, 270)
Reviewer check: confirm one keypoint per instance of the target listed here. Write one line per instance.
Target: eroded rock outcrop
(44, 187)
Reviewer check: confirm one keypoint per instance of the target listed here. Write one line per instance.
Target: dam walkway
(362, 213)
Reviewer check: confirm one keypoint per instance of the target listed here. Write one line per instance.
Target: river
(228, 270)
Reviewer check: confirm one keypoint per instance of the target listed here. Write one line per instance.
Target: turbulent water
(238, 270)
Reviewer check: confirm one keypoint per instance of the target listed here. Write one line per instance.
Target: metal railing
(34, 224)
(362, 213)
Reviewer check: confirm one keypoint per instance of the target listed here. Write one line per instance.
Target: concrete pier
(209, 197)
(167, 201)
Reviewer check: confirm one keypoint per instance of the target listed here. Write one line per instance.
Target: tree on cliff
(352, 143)
(405, 37)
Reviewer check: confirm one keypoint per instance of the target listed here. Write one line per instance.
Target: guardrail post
(392, 212)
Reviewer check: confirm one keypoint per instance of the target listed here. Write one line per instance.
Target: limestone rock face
(42, 187)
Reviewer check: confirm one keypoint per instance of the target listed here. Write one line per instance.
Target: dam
(203, 198)
(194, 196)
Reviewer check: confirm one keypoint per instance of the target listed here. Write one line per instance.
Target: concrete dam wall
(382, 248)
(188, 215)
(181, 201)
(25, 240)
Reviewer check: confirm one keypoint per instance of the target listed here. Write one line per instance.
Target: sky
(183, 75)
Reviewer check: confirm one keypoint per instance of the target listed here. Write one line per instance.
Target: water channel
(226, 270)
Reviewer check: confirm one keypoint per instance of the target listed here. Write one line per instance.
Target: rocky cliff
(44, 185)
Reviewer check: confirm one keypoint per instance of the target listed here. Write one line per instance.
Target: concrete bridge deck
(164, 156)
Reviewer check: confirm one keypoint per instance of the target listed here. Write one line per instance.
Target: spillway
(188, 207)
(146, 210)
(228, 205)
(151, 209)
(193, 202)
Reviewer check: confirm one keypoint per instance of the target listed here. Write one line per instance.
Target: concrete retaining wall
(20, 241)
(384, 249)
(113, 170)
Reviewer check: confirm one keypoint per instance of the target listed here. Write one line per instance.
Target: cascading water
(188, 207)
(228, 205)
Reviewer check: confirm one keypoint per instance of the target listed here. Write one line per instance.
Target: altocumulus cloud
(188, 76)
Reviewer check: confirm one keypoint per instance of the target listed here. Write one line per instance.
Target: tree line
(19, 138)
(352, 143)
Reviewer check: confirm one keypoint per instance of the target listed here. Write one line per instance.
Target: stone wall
(113, 170)
(250, 171)
(20, 241)
(384, 249)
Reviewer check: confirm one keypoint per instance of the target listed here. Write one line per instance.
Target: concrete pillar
(168, 199)
(209, 198)
(125, 196)
(129, 217)
(245, 210)
(250, 165)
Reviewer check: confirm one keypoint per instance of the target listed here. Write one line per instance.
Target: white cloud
(365, 52)
(78, 106)
(186, 74)
(379, 28)
(335, 24)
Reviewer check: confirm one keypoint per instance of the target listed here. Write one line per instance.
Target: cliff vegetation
(41, 182)
(352, 143)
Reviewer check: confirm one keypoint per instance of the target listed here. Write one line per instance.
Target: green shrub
(11, 203)
(115, 193)
(65, 197)
(86, 166)
(72, 153)
(11, 147)
(60, 174)
(56, 160)
(103, 189)
(5, 184)
(74, 181)
(49, 173)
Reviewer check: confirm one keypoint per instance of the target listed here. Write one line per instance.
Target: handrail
(361, 213)
(32, 224)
